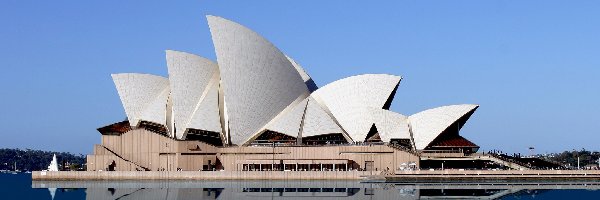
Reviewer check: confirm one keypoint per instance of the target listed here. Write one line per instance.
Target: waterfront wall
(201, 175)
(500, 172)
(315, 175)
(141, 149)
(309, 175)
(491, 175)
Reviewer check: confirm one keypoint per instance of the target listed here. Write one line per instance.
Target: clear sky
(533, 66)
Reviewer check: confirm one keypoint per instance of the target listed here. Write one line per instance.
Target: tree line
(36, 160)
(569, 158)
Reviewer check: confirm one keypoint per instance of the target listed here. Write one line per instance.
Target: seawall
(201, 175)
(400, 176)
(490, 175)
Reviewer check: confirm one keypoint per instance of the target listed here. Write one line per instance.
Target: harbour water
(20, 186)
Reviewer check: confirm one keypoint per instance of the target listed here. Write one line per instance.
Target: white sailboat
(53, 167)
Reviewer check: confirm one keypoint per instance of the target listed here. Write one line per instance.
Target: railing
(441, 151)
(402, 148)
(119, 156)
(315, 145)
(509, 160)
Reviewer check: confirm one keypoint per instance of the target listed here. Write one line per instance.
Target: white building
(255, 94)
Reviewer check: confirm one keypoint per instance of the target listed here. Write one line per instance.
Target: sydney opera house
(256, 109)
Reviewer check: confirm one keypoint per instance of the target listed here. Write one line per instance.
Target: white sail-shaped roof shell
(144, 96)
(350, 100)
(390, 125)
(189, 77)
(429, 124)
(289, 123)
(156, 111)
(258, 81)
(206, 114)
(255, 87)
(317, 121)
(307, 116)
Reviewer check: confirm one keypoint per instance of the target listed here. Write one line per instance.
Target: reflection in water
(310, 189)
(52, 192)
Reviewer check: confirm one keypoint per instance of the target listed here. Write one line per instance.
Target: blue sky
(533, 66)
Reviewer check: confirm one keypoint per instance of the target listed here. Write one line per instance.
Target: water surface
(20, 186)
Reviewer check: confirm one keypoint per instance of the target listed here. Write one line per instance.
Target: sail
(53, 167)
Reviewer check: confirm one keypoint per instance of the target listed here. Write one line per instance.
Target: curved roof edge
(391, 125)
(310, 83)
(427, 125)
(296, 105)
(205, 115)
(350, 99)
(318, 120)
(189, 77)
(139, 94)
(258, 80)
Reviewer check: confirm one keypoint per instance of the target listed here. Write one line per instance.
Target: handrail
(401, 148)
(513, 161)
(119, 156)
